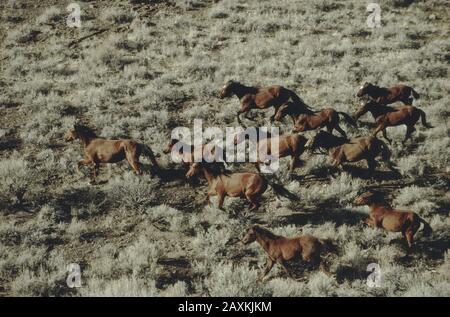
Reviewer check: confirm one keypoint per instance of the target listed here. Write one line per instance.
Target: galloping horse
(386, 116)
(99, 150)
(224, 183)
(342, 150)
(261, 98)
(288, 144)
(328, 118)
(282, 250)
(385, 96)
(384, 216)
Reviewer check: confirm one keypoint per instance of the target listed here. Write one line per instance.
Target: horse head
(363, 90)
(194, 169)
(362, 109)
(369, 197)
(227, 89)
(250, 235)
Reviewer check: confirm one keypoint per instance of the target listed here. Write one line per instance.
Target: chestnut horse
(384, 216)
(342, 150)
(261, 98)
(283, 250)
(386, 116)
(288, 145)
(224, 183)
(385, 96)
(99, 150)
(328, 118)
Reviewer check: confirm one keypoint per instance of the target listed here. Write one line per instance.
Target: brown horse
(99, 150)
(386, 116)
(385, 96)
(186, 156)
(342, 150)
(328, 118)
(224, 183)
(284, 250)
(384, 216)
(288, 145)
(261, 98)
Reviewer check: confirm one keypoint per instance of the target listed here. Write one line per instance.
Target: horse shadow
(174, 174)
(315, 217)
(10, 143)
(366, 174)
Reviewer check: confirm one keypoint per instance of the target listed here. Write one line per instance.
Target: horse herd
(251, 185)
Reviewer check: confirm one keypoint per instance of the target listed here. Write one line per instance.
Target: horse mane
(85, 131)
(379, 109)
(216, 168)
(379, 197)
(242, 87)
(265, 232)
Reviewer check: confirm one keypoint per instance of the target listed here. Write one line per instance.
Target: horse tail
(348, 118)
(280, 190)
(147, 151)
(415, 94)
(427, 230)
(423, 116)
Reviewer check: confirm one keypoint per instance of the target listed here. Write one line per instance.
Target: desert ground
(137, 69)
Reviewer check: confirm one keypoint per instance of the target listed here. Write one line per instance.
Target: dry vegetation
(160, 64)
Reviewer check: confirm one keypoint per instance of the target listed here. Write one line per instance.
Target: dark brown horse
(342, 150)
(384, 216)
(261, 98)
(328, 118)
(225, 183)
(385, 96)
(386, 116)
(284, 250)
(99, 150)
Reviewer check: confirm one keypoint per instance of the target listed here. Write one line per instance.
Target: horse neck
(378, 205)
(242, 90)
(376, 91)
(264, 241)
(85, 140)
(209, 176)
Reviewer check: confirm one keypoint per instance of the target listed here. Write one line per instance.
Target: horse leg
(221, 199)
(409, 131)
(285, 268)
(294, 162)
(252, 199)
(133, 160)
(86, 161)
(339, 129)
(409, 237)
(257, 167)
(269, 266)
(272, 117)
(371, 164)
(96, 169)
